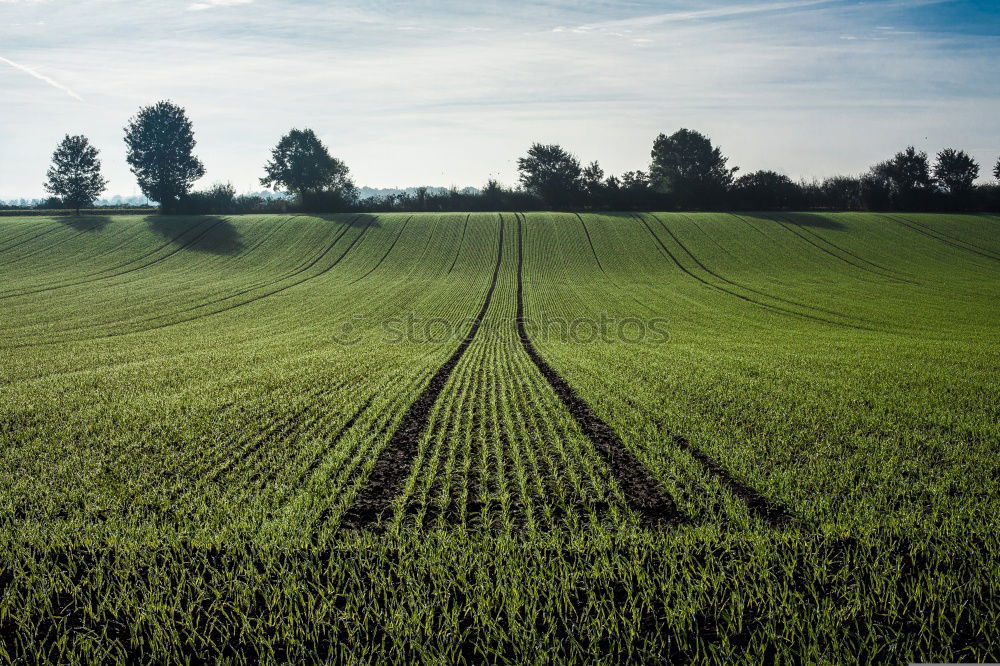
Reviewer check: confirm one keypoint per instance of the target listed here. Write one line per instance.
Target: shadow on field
(85, 222)
(808, 220)
(201, 233)
(350, 219)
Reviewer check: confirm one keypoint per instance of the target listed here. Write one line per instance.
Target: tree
(996, 170)
(956, 171)
(593, 183)
(841, 193)
(551, 173)
(75, 174)
(907, 178)
(687, 166)
(160, 153)
(766, 190)
(302, 165)
(219, 199)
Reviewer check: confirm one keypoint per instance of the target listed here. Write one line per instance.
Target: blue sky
(446, 92)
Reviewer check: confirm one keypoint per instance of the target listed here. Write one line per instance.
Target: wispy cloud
(693, 15)
(210, 4)
(779, 84)
(41, 77)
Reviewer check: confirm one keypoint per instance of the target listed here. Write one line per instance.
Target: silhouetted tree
(907, 177)
(956, 172)
(593, 183)
(50, 203)
(840, 193)
(551, 174)
(302, 165)
(492, 195)
(75, 174)
(765, 190)
(160, 153)
(996, 170)
(216, 200)
(692, 171)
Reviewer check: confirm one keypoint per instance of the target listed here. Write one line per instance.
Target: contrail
(42, 77)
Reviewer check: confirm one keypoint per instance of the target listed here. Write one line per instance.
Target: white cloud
(771, 81)
(209, 4)
(699, 14)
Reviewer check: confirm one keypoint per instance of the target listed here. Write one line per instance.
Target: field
(537, 437)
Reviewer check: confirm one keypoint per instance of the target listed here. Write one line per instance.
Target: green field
(535, 437)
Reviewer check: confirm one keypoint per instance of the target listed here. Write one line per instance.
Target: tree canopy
(161, 145)
(956, 171)
(551, 173)
(907, 171)
(75, 174)
(765, 190)
(302, 165)
(688, 167)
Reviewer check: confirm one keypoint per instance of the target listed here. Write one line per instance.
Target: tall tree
(160, 145)
(956, 171)
(593, 183)
(996, 170)
(75, 174)
(302, 165)
(551, 173)
(688, 167)
(907, 176)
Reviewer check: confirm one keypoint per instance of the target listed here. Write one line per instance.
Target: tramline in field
(486, 437)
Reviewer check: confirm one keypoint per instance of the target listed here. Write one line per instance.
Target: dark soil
(641, 490)
(393, 465)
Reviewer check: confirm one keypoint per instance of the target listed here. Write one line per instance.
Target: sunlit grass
(188, 407)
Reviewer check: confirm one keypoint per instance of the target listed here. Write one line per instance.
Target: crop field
(498, 438)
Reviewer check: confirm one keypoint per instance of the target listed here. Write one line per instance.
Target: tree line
(686, 172)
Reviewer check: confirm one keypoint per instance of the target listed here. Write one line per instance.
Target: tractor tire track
(766, 306)
(711, 238)
(22, 257)
(604, 272)
(28, 240)
(770, 511)
(819, 247)
(180, 247)
(219, 311)
(395, 460)
(590, 242)
(460, 243)
(836, 256)
(23, 233)
(936, 235)
(387, 252)
(260, 285)
(298, 270)
(951, 237)
(642, 492)
(897, 274)
(739, 285)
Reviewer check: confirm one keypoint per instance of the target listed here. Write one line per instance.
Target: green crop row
(189, 408)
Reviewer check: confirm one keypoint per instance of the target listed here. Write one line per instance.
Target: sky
(442, 92)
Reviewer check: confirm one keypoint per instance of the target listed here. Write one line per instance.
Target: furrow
(640, 489)
(393, 464)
